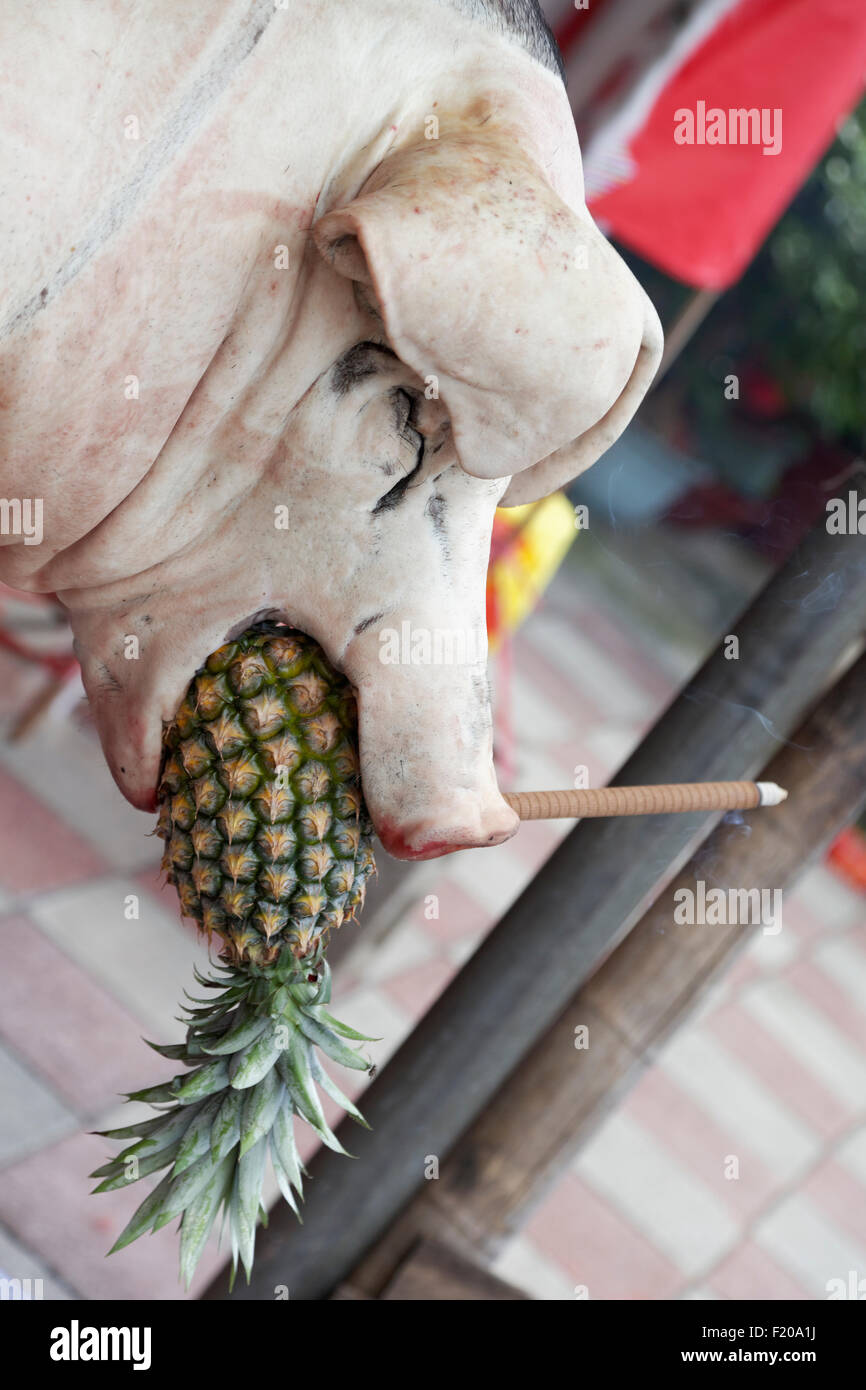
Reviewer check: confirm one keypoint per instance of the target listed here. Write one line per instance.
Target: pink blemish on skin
(602, 343)
(224, 206)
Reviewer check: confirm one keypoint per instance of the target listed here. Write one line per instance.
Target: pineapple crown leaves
(253, 1065)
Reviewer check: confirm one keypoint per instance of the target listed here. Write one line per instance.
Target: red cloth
(701, 211)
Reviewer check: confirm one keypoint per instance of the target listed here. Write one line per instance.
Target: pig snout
(427, 754)
(468, 819)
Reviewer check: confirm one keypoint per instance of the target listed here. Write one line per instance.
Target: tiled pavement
(768, 1080)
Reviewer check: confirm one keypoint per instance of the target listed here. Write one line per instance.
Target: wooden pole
(595, 887)
(546, 1110)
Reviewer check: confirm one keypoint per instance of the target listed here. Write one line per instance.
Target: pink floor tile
(416, 989)
(773, 1064)
(67, 1027)
(582, 711)
(580, 1232)
(840, 1197)
(460, 914)
(38, 851)
(345, 980)
(577, 751)
(744, 971)
(808, 930)
(689, 1133)
(634, 662)
(45, 1202)
(830, 1000)
(749, 1273)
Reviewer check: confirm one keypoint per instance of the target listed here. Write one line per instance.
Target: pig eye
(405, 406)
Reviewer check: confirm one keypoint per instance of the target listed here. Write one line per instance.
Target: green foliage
(816, 270)
(230, 1110)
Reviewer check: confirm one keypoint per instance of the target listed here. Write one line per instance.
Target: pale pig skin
(470, 256)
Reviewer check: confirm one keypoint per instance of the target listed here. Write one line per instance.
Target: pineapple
(268, 843)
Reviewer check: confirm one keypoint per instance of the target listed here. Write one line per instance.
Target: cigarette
(645, 801)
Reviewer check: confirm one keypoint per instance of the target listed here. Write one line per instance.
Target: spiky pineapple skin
(267, 838)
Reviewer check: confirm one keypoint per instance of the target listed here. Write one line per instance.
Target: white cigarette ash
(771, 793)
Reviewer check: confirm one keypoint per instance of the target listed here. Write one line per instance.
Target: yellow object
(529, 545)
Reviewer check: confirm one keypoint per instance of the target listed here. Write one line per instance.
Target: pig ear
(537, 337)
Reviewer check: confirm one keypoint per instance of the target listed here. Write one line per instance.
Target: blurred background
(756, 268)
